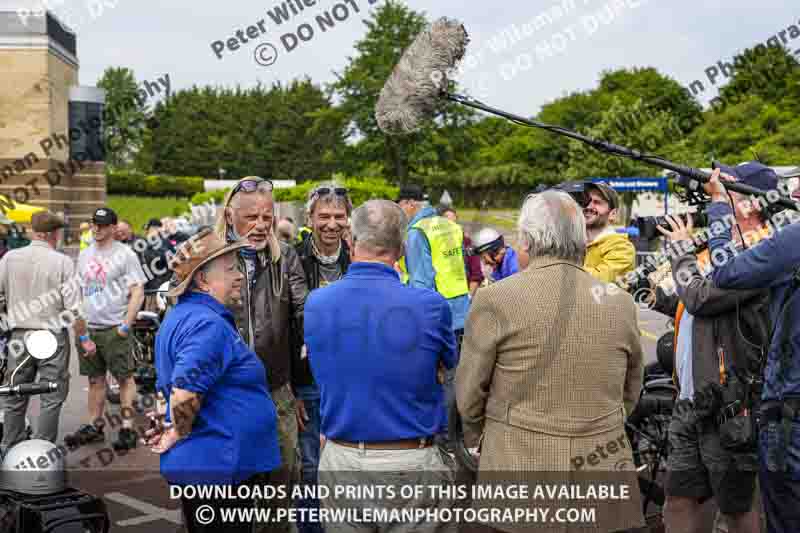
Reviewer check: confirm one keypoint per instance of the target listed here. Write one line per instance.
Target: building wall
(34, 106)
(25, 111)
(62, 77)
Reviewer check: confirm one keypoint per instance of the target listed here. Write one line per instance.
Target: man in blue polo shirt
(375, 358)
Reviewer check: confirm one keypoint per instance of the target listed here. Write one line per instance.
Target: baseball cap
(153, 223)
(609, 194)
(411, 192)
(754, 174)
(45, 222)
(104, 216)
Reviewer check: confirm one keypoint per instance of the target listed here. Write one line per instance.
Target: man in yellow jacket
(609, 255)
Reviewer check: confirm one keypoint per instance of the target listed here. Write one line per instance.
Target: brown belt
(406, 444)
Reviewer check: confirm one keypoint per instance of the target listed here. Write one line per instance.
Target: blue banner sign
(635, 184)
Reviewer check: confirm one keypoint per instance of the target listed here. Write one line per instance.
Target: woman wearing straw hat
(219, 402)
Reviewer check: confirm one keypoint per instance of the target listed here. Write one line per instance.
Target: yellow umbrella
(20, 213)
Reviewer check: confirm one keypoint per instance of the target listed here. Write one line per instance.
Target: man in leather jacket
(270, 314)
(325, 256)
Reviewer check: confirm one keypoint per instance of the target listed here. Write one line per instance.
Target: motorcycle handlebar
(29, 389)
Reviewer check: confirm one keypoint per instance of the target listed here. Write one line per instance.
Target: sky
(561, 46)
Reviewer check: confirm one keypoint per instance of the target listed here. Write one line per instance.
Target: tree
(768, 72)
(124, 116)
(658, 130)
(440, 144)
(281, 132)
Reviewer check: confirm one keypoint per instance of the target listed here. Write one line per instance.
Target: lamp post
(222, 173)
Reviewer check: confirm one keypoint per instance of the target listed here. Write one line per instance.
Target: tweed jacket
(551, 361)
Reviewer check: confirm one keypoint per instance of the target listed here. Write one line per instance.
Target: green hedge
(360, 190)
(141, 185)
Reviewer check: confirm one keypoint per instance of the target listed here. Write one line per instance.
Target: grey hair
(221, 227)
(379, 226)
(552, 224)
(330, 199)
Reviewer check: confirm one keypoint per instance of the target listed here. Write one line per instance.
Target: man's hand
(302, 415)
(679, 231)
(715, 188)
(122, 331)
(441, 374)
(89, 348)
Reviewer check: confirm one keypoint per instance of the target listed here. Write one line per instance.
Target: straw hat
(196, 252)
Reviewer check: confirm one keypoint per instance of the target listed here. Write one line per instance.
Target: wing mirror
(41, 344)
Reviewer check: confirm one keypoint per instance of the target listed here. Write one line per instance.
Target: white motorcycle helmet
(34, 467)
(487, 240)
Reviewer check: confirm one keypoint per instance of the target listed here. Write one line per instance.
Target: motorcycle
(34, 496)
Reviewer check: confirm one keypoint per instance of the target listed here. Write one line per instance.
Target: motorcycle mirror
(41, 344)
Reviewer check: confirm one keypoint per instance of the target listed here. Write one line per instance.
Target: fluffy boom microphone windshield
(414, 90)
(417, 88)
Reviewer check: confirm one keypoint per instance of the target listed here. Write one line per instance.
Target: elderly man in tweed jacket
(551, 364)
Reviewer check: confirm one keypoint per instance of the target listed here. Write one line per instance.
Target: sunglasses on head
(324, 191)
(252, 185)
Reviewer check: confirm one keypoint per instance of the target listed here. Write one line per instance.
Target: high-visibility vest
(446, 240)
(302, 232)
(401, 264)
(86, 239)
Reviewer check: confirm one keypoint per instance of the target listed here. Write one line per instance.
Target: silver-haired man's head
(379, 229)
(328, 209)
(551, 224)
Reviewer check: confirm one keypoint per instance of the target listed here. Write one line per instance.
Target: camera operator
(770, 265)
(609, 255)
(721, 336)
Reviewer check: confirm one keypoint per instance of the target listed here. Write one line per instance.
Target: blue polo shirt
(374, 346)
(235, 433)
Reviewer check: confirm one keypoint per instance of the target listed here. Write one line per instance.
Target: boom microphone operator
(418, 86)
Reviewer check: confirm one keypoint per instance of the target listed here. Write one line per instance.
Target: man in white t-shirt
(112, 283)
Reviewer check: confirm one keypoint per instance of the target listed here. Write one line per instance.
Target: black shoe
(87, 434)
(126, 441)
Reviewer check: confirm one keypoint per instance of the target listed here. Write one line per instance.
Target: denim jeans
(780, 488)
(309, 451)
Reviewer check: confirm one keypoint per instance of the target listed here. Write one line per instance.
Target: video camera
(647, 225)
(576, 189)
